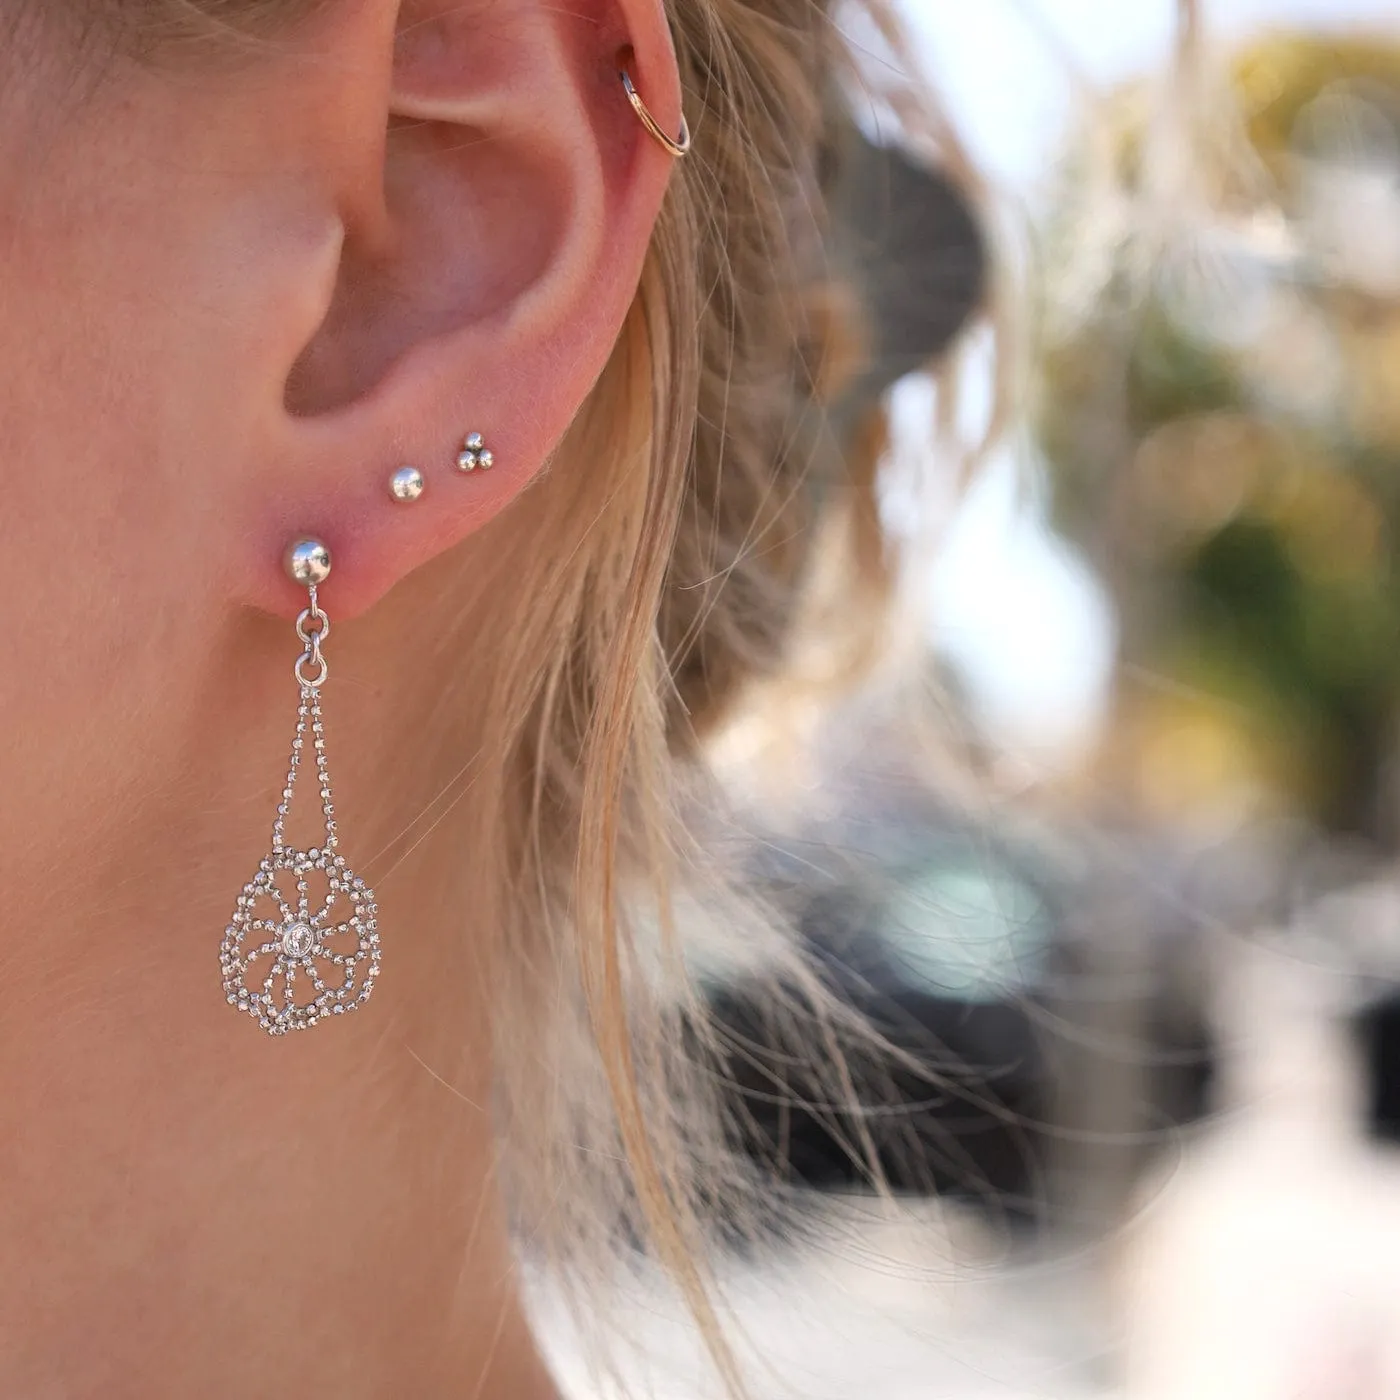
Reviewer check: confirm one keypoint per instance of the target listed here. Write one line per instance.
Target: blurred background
(1131, 895)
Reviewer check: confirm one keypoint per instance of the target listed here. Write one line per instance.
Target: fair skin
(229, 307)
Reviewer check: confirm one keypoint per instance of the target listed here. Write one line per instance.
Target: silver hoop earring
(303, 943)
(673, 145)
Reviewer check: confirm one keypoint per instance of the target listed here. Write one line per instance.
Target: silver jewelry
(308, 562)
(474, 454)
(303, 943)
(672, 145)
(406, 484)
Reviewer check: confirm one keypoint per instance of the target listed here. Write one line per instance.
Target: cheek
(139, 372)
(99, 434)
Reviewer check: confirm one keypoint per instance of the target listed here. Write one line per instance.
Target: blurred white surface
(919, 1305)
(1267, 1267)
(1009, 70)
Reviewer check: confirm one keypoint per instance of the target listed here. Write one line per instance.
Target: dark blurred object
(905, 238)
(951, 1103)
(1378, 1033)
(1003, 1023)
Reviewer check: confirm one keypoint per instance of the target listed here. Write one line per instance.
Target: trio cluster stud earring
(303, 943)
(475, 454)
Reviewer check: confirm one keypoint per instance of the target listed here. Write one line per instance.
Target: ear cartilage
(406, 484)
(475, 454)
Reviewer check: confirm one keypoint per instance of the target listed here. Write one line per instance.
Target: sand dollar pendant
(302, 946)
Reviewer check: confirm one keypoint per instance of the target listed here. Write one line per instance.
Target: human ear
(495, 197)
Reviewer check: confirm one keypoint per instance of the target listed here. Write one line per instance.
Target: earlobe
(489, 262)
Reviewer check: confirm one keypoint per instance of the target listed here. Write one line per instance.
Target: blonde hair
(662, 605)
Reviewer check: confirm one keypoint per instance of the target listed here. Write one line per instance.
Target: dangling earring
(292, 956)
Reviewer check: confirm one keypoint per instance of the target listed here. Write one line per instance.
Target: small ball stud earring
(308, 562)
(475, 454)
(406, 484)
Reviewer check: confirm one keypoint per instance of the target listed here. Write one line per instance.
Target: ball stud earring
(308, 562)
(303, 943)
(406, 485)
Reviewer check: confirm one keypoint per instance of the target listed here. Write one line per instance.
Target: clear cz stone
(298, 940)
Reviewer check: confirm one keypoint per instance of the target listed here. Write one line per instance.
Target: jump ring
(319, 680)
(313, 614)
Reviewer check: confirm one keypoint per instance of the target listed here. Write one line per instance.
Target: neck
(193, 1208)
